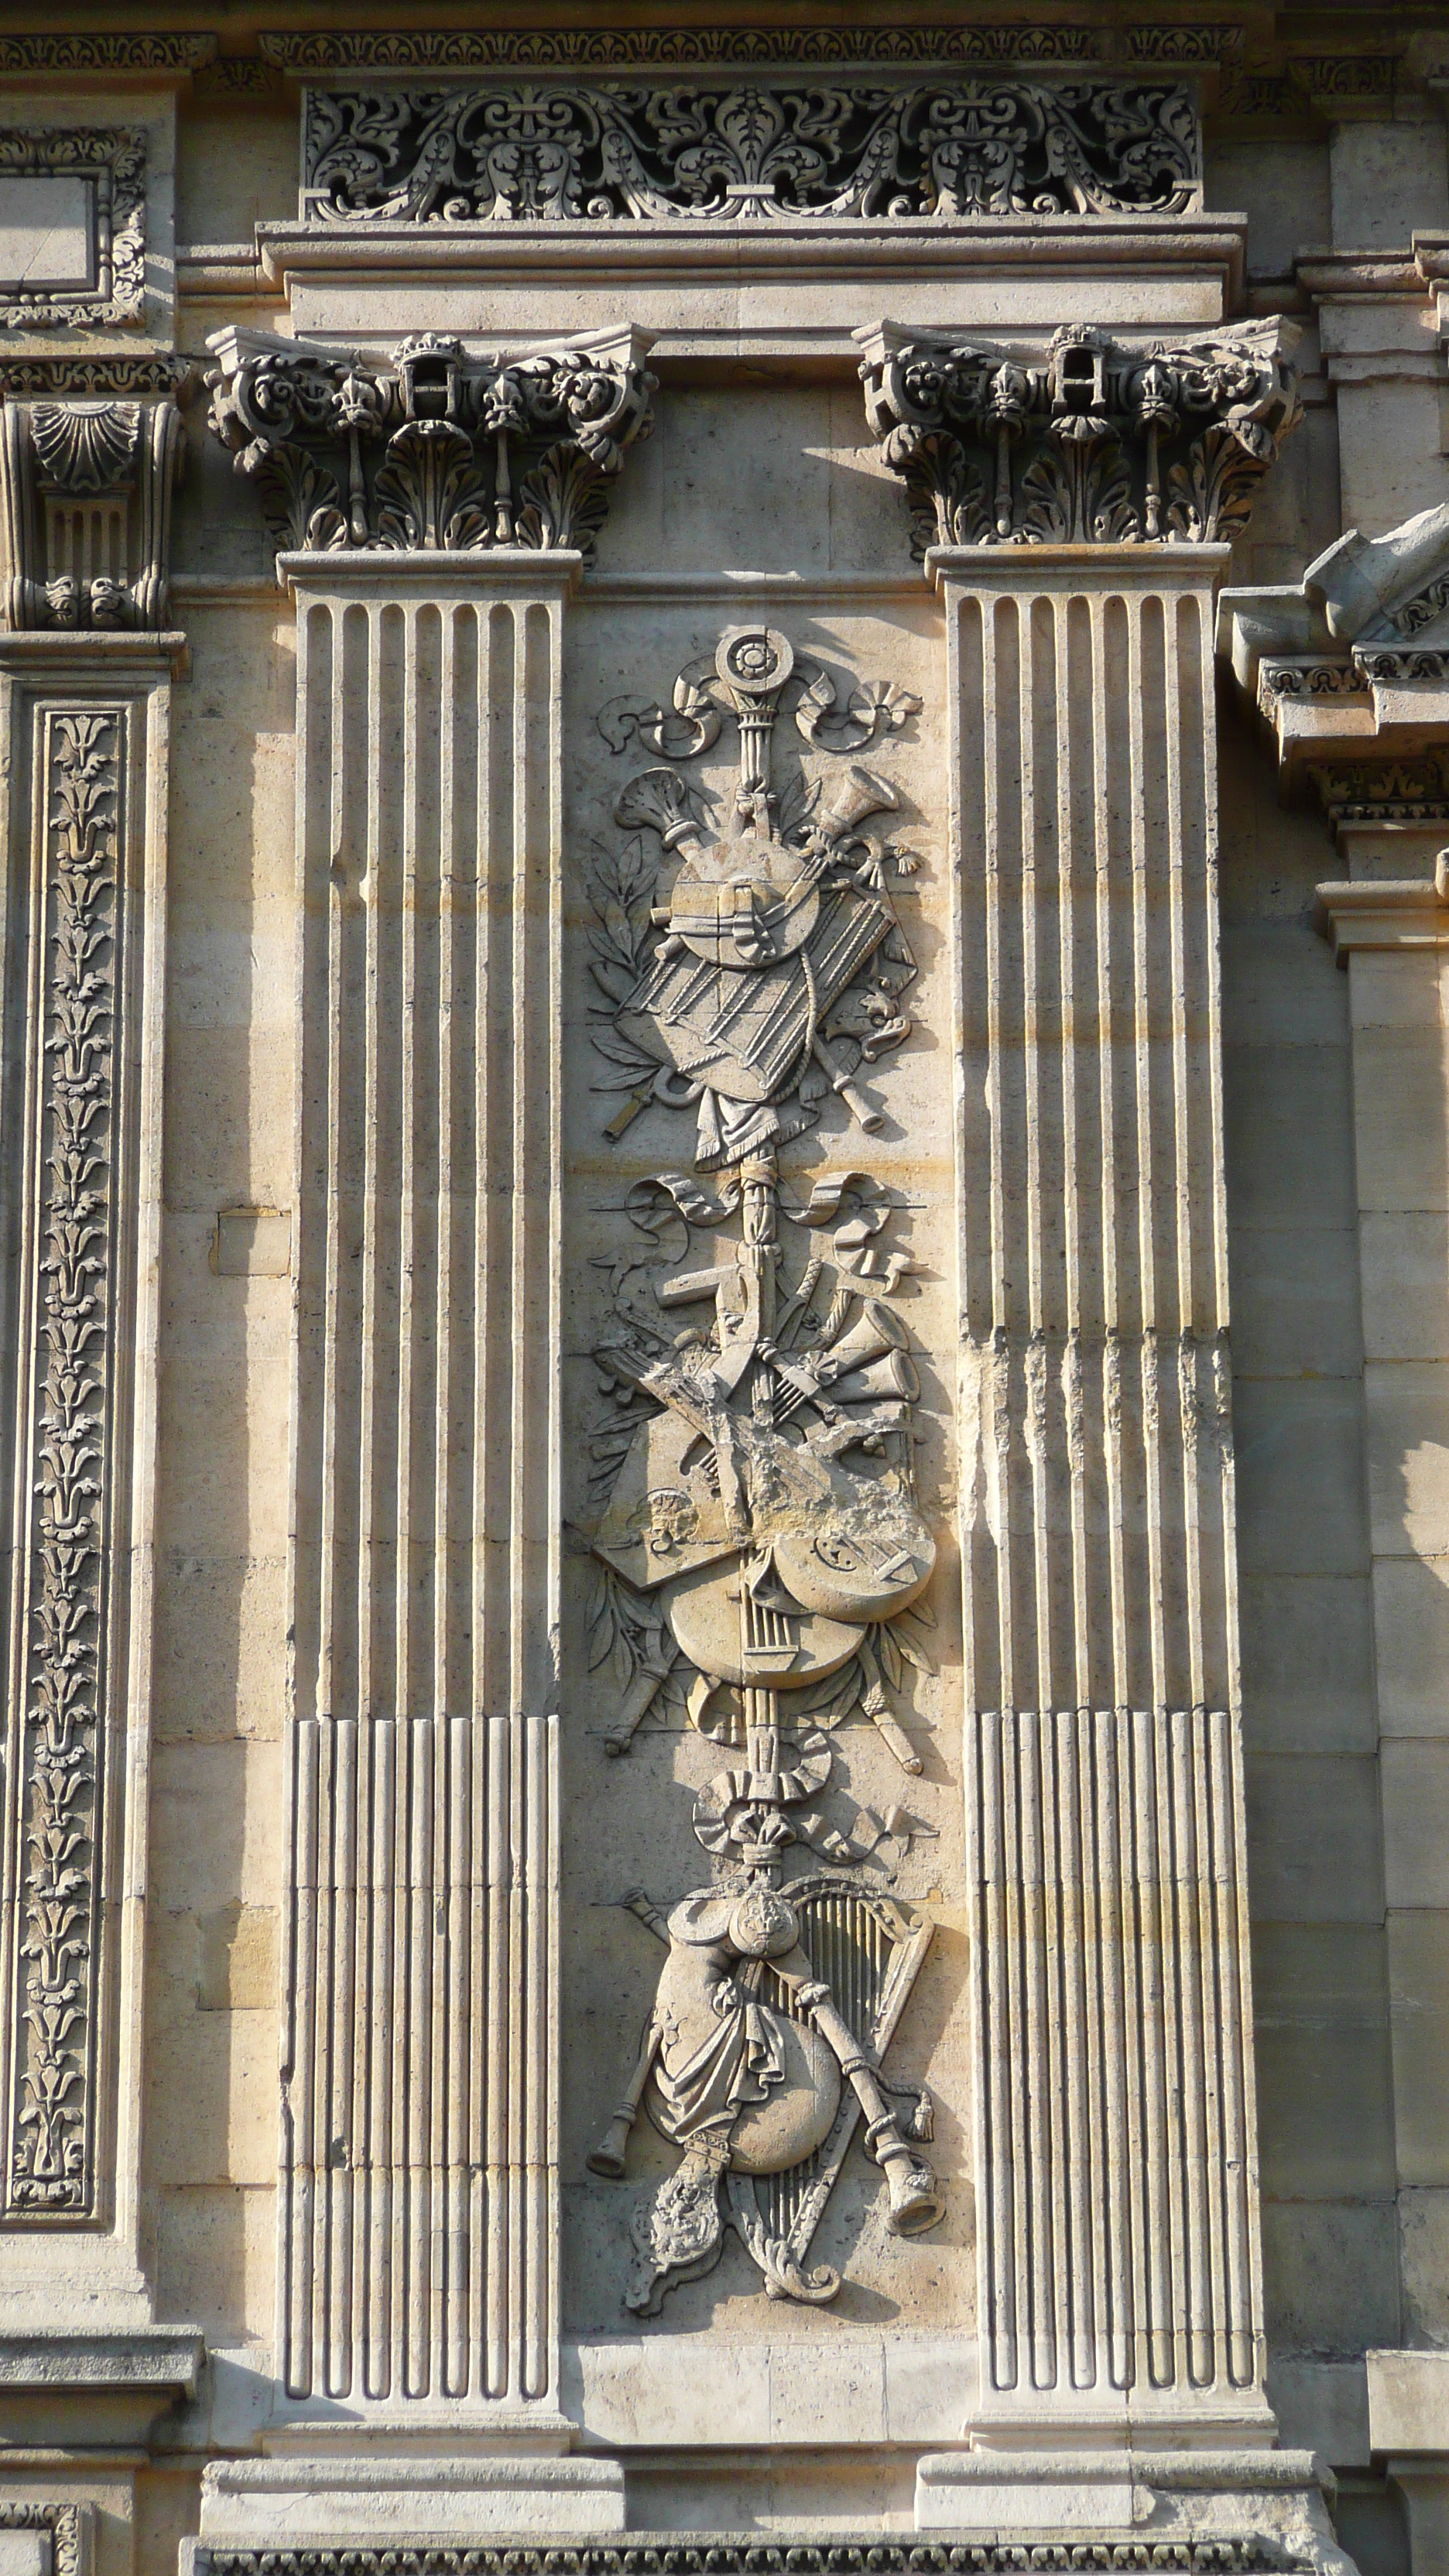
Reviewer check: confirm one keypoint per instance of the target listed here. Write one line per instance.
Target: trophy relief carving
(762, 1557)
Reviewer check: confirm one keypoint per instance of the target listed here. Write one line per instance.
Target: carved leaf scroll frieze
(58, 1723)
(437, 450)
(1097, 443)
(609, 152)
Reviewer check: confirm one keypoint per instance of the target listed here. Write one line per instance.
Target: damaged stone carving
(540, 152)
(1098, 443)
(762, 1556)
(437, 450)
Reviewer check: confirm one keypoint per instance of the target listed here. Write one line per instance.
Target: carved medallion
(763, 1558)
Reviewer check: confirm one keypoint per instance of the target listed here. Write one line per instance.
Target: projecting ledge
(1393, 913)
(1112, 569)
(424, 573)
(94, 2389)
(1265, 2506)
(448, 2496)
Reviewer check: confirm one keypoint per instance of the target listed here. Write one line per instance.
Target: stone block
(1407, 1443)
(1280, 988)
(216, 2257)
(1313, 1839)
(237, 1959)
(1286, 1119)
(1321, 2406)
(1308, 1662)
(215, 1825)
(220, 1647)
(1395, 991)
(213, 2102)
(1300, 1477)
(1424, 2260)
(1295, 1303)
(1401, 1119)
(1387, 180)
(1404, 1261)
(1415, 1805)
(1330, 2274)
(1418, 1962)
(1411, 1644)
(1326, 2104)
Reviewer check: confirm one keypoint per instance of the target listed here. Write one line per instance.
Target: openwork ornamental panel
(615, 152)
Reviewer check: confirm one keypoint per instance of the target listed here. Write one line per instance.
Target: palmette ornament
(758, 1526)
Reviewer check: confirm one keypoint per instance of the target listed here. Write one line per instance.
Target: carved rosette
(1097, 443)
(51, 2168)
(438, 450)
(611, 152)
(91, 451)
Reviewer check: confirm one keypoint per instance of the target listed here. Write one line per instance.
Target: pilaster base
(1263, 2510)
(450, 2497)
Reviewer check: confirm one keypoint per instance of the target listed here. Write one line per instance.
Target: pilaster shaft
(1114, 2147)
(419, 2221)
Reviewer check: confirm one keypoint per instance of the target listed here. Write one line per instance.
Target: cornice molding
(165, 57)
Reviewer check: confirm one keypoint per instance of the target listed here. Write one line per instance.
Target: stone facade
(724, 1246)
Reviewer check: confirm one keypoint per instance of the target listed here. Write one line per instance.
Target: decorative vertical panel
(60, 1678)
(1114, 2149)
(83, 967)
(419, 2163)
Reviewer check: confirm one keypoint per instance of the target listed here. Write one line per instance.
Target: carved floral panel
(611, 152)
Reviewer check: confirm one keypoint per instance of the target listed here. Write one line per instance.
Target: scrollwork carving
(762, 1558)
(438, 449)
(611, 153)
(1098, 443)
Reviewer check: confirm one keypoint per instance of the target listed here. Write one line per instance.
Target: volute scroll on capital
(435, 449)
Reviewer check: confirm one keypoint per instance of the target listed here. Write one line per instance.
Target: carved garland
(51, 2162)
(438, 451)
(1097, 444)
(541, 153)
(112, 162)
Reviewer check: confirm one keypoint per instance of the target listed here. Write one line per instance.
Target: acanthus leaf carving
(1096, 443)
(946, 150)
(438, 449)
(762, 1556)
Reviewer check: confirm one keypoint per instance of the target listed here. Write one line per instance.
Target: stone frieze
(610, 152)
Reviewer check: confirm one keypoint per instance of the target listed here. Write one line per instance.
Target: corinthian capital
(1093, 442)
(433, 448)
